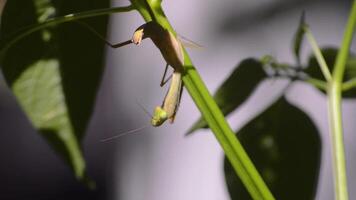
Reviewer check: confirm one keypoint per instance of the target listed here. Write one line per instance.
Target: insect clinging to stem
(172, 51)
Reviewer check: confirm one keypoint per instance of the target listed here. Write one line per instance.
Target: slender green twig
(334, 104)
(318, 55)
(317, 83)
(349, 84)
(212, 114)
(59, 20)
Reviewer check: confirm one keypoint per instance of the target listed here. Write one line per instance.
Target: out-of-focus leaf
(298, 38)
(284, 145)
(351, 68)
(55, 73)
(330, 54)
(313, 68)
(236, 88)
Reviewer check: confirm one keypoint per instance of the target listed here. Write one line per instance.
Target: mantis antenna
(168, 109)
(136, 130)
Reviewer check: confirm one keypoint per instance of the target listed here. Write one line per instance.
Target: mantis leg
(118, 45)
(102, 38)
(178, 103)
(163, 81)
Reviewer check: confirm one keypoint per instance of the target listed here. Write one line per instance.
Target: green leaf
(330, 54)
(236, 88)
(54, 73)
(298, 38)
(351, 68)
(285, 146)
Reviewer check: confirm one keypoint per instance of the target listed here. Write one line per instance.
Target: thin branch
(349, 84)
(322, 85)
(318, 55)
(59, 20)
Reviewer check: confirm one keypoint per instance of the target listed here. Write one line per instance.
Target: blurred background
(161, 163)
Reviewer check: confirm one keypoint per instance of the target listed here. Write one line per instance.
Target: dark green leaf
(284, 145)
(313, 68)
(236, 88)
(55, 73)
(351, 68)
(298, 38)
(330, 54)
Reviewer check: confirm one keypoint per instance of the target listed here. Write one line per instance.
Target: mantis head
(159, 116)
(137, 36)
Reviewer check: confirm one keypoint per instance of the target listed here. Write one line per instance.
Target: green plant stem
(59, 20)
(318, 55)
(212, 114)
(334, 92)
(349, 84)
(317, 83)
(334, 104)
(338, 154)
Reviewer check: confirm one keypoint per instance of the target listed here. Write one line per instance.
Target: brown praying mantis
(172, 51)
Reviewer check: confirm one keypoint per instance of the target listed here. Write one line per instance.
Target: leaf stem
(349, 84)
(317, 83)
(212, 114)
(334, 104)
(318, 55)
(59, 20)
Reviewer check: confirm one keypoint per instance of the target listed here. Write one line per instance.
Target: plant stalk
(335, 114)
(59, 20)
(348, 85)
(318, 55)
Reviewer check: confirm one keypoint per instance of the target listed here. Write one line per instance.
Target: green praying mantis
(172, 51)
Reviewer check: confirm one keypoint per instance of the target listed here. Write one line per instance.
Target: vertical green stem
(335, 116)
(338, 149)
